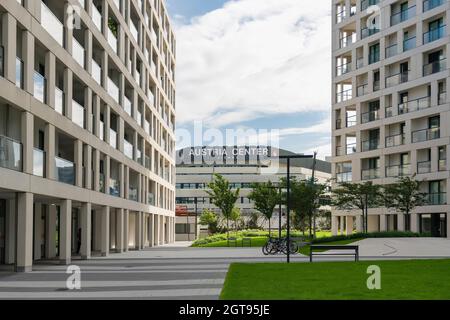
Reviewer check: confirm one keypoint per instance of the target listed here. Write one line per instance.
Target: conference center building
(87, 117)
(391, 110)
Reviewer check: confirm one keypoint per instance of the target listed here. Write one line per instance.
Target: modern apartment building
(87, 111)
(391, 112)
(194, 173)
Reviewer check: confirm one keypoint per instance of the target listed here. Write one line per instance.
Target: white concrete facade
(86, 129)
(390, 106)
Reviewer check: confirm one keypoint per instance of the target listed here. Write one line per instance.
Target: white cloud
(254, 58)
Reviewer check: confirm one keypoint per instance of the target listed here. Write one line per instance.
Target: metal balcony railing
(391, 50)
(395, 140)
(426, 135)
(344, 95)
(366, 32)
(402, 16)
(423, 167)
(409, 43)
(435, 67)
(398, 170)
(396, 79)
(370, 174)
(431, 4)
(369, 145)
(40, 84)
(343, 68)
(414, 105)
(436, 199)
(38, 162)
(344, 177)
(10, 153)
(370, 116)
(434, 34)
(65, 171)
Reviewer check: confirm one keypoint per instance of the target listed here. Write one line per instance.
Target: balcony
(391, 51)
(409, 44)
(435, 67)
(367, 3)
(414, 105)
(423, 167)
(366, 32)
(133, 194)
(344, 68)
(113, 90)
(402, 16)
(38, 162)
(344, 95)
(442, 98)
(351, 121)
(114, 187)
(147, 127)
(65, 171)
(78, 52)
(395, 140)
(134, 31)
(52, 24)
(151, 199)
(359, 63)
(97, 18)
(96, 72)
(376, 85)
(370, 116)
(39, 87)
(340, 16)
(374, 58)
(113, 138)
(344, 177)
(370, 174)
(434, 34)
(362, 89)
(442, 165)
(127, 105)
(431, 4)
(389, 112)
(77, 114)
(369, 145)
(347, 40)
(437, 199)
(128, 149)
(151, 97)
(101, 130)
(396, 79)
(10, 153)
(112, 40)
(59, 100)
(398, 170)
(19, 73)
(426, 135)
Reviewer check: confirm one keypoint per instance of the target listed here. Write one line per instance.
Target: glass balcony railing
(102, 182)
(97, 18)
(151, 199)
(59, 100)
(96, 72)
(436, 199)
(396, 79)
(101, 130)
(10, 153)
(113, 90)
(65, 171)
(153, 67)
(426, 135)
(391, 51)
(398, 170)
(78, 52)
(127, 105)
(409, 44)
(52, 24)
(39, 87)
(134, 31)
(442, 165)
(343, 68)
(114, 187)
(133, 194)
(344, 177)
(370, 116)
(370, 174)
(128, 149)
(431, 4)
(389, 112)
(362, 89)
(77, 114)
(370, 145)
(347, 40)
(423, 167)
(113, 138)
(147, 127)
(366, 32)
(351, 121)
(402, 16)
(350, 148)
(434, 34)
(367, 3)
(19, 73)
(147, 162)
(139, 117)
(344, 95)
(395, 140)
(112, 40)
(38, 162)
(435, 67)
(139, 156)
(442, 98)
(151, 97)
(414, 105)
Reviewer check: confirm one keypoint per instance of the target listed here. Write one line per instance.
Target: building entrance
(434, 224)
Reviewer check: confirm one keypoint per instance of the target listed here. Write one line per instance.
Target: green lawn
(408, 279)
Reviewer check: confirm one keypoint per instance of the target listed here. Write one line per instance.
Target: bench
(334, 247)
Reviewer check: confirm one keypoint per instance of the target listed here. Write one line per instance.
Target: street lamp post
(288, 196)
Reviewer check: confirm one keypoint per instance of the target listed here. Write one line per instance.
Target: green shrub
(384, 234)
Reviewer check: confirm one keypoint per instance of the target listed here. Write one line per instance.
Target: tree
(210, 219)
(265, 197)
(361, 196)
(235, 216)
(404, 195)
(223, 197)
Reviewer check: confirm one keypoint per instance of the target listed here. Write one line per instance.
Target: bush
(384, 234)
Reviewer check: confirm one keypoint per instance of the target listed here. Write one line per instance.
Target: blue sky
(253, 64)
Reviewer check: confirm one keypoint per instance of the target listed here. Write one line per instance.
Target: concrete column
(105, 231)
(68, 92)
(96, 111)
(38, 227)
(88, 176)
(120, 230)
(126, 181)
(163, 230)
(86, 211)
(400, 222)
(142, 228)
(157, 229)
(121, 182)
(125, 229)
(9, 36)
(341, 224)
(78, 152)
(448, 225)
(349, 225)
(88, 109)
(138, 231)
(50, 229)
(96, 168)
(24, 253)
(10, 236)
(107, 168)
(383, 218)
(27, 127)
(88, 49)
(28, 60)
(415, 222)
(65, 232)
(121, 134)
(50, 75)
(104, 66)
(151, 230)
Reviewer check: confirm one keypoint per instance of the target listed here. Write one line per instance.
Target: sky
(254, 65)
